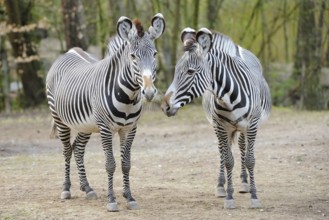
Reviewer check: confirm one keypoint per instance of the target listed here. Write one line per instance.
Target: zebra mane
(114, 44)
(224, 43)
(139, 27)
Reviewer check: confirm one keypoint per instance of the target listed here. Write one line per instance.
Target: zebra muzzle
(149, 91)
(166, 107)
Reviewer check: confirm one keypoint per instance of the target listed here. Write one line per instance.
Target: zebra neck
(121, 82)
(229, 82)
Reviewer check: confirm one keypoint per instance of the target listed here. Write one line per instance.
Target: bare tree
(116, 10)
(74, 24)
(195, 15)
(213, 8)
(175, 33)
(307, 66)
(5, 75)
(24, 50)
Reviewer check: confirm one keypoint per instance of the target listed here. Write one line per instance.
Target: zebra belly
(86, 126)
(75, 116)
(237, 119)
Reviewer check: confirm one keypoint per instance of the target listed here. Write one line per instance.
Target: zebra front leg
(250, 163)
(244, 176)
(79, 146)
(126, 140)
(229, 164)
(224, 144)
(110, 165)
(64, 134)
(220, 190)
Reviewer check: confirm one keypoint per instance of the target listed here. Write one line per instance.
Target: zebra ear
(124, 26)
(204, 38)
(158, 26)
(188, 36)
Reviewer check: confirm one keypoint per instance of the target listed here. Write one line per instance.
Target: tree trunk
(91, 12)
(213, 8)
(24, 51)
(5, 75)
(195, 15)
(175, 35)
(116, 10)
(307, 66)
(74, 24)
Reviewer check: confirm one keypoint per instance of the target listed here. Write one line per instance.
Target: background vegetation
(290, 37)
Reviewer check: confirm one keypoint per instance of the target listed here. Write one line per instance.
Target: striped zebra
(90, 95)
(236, 98)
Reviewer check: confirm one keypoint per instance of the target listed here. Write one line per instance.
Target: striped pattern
(90, 95)
(236, 98)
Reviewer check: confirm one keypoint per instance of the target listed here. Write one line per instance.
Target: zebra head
(142, 50)
(192, 73)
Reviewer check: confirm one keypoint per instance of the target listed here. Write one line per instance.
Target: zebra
(236, 98)
(104, 96)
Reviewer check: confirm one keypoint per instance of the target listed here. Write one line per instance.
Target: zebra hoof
(244, 188)
(255, 204)
(112, 207)
(91, 195)
(132, 205)
(66, 195)
(220, 192)
(229, 204)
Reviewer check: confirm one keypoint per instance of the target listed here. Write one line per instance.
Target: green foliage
(267, 28)
(280, 84)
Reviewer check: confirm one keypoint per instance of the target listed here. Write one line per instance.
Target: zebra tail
(53, 131)
(234, 137)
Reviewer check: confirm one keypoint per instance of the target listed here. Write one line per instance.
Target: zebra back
(226, 45)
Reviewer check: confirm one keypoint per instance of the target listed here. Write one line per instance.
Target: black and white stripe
(235, 94)
(90, 95)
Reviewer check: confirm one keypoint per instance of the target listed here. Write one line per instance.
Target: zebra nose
(149, 89)
(149, 93)
(165, 105)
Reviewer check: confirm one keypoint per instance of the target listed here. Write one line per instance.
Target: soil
(175, 165)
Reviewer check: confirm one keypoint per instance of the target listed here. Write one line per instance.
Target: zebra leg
(244, 176)
(110, 165)
(126, 140)
(64, 134)
(220, 190)
(228, 160)
(79, 146)
(250, 163)
(229, 164)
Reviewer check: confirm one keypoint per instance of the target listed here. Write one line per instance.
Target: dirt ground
(175, 165)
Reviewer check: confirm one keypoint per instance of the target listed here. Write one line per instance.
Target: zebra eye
(155, 53)
(133, 56)
(190, 71)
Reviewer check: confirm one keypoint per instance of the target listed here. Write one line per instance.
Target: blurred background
(290, 37)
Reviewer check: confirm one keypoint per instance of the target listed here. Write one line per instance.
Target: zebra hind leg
(64, 134)
(250, 164)
(79, 146)
(244, 176)
(126, 142)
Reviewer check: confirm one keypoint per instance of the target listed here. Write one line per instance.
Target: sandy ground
(174, 171)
